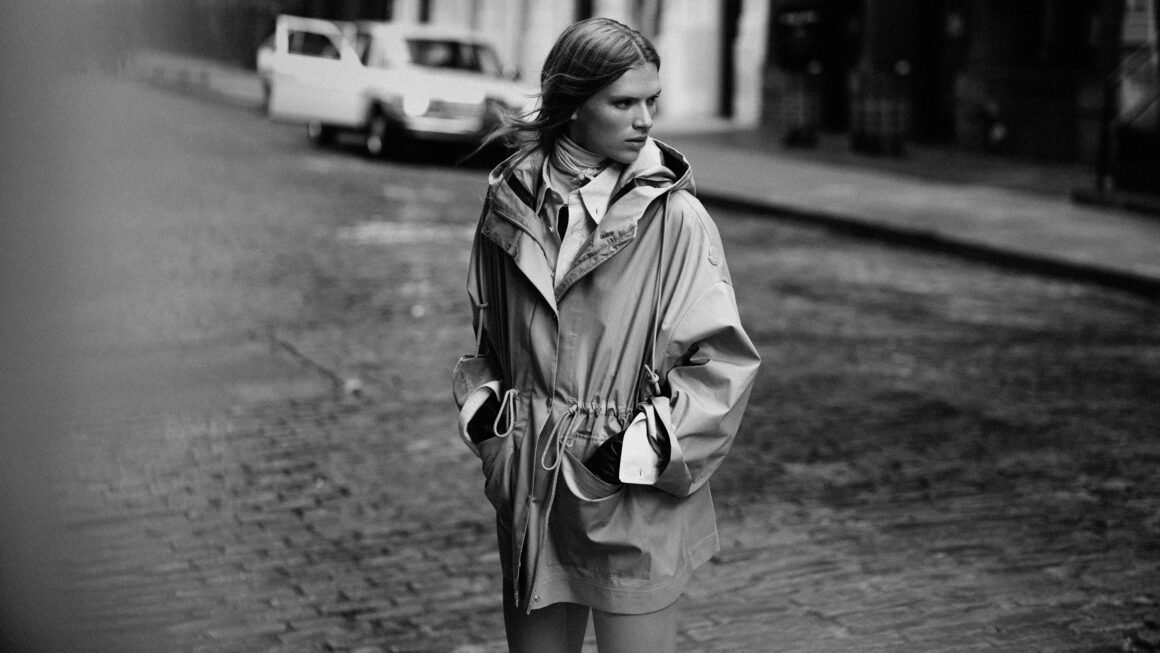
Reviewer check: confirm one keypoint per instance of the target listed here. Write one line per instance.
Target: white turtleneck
(583, 181)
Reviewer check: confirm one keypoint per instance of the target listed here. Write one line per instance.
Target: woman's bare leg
(655, 632)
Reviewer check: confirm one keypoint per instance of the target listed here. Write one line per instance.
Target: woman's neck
(574, 163)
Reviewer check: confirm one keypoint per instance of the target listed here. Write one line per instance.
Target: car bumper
(444, 129)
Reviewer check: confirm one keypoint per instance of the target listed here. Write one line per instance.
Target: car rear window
(445, 53)
(312, 44)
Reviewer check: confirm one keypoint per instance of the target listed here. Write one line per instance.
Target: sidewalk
(1014, 213)
(1041, 230)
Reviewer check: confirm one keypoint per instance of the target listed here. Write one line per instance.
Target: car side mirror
(510, 72)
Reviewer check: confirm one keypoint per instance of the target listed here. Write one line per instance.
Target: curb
(200, 85)
(195, 85)
(1135, 284)
(1138, 203)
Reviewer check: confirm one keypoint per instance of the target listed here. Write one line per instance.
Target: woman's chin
(627, 157)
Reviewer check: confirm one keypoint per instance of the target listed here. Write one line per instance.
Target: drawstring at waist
(556, 444)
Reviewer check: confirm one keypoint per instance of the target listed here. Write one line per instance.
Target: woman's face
(616, 121)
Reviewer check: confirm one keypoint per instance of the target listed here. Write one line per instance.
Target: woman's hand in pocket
(605, 461)
(482, 424)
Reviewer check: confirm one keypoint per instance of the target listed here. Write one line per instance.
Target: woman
(612, 370)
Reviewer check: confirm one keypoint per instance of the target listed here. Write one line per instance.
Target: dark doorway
(843, 33)
(730, 25)
(939, 27)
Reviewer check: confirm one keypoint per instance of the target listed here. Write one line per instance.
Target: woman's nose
(643, 118)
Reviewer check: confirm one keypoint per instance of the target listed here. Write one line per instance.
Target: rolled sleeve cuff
(675, 479)
(471, 405)
(639, 464)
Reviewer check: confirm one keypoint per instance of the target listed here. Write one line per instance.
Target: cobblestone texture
(938, 457)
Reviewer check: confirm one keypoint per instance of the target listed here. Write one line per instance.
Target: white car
(389, 82)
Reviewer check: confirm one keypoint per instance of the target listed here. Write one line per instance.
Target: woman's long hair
(588, 56)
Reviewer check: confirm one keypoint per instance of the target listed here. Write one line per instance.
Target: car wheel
(320, 134)
(376, 136)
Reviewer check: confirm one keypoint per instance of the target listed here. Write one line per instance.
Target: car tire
(319, 134)
(377, 133)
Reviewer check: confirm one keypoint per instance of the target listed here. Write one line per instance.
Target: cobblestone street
(940, 456)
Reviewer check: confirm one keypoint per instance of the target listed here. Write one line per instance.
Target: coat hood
(659, 166)
(513, 225)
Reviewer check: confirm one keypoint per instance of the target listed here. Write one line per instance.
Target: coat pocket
(496, 456)
(592, 526)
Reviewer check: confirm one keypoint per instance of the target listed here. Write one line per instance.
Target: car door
(316, 74)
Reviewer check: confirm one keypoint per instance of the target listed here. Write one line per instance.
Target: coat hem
(570, 588)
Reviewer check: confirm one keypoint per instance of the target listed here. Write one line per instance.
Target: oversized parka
(567, 358)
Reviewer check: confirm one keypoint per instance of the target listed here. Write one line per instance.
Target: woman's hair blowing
(588, 56)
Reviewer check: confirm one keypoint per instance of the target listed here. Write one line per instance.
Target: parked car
(389, 82)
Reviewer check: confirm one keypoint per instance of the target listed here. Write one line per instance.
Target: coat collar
(595, 195)
(514, 226)
(516, 184)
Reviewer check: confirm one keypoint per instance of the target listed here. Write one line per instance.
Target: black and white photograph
(580, 326)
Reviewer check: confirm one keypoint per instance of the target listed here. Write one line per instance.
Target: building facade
(1028, 78)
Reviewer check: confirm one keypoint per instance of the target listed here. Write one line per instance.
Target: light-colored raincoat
(566, 360)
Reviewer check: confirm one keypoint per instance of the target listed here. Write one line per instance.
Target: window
(431, 53)
(312, 44)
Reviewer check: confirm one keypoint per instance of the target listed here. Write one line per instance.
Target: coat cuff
(676, 478)
(471, 405)
(471, 373)
(639, 464)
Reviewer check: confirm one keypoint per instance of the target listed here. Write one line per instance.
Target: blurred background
(1062, 80)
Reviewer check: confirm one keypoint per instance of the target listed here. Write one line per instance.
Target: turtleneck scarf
(573, 164)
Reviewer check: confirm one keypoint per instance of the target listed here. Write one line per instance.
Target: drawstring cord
(556, 444)
(508, 407)
(654, 381)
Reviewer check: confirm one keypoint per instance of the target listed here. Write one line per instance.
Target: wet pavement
(941, 456)
(1019, 213)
